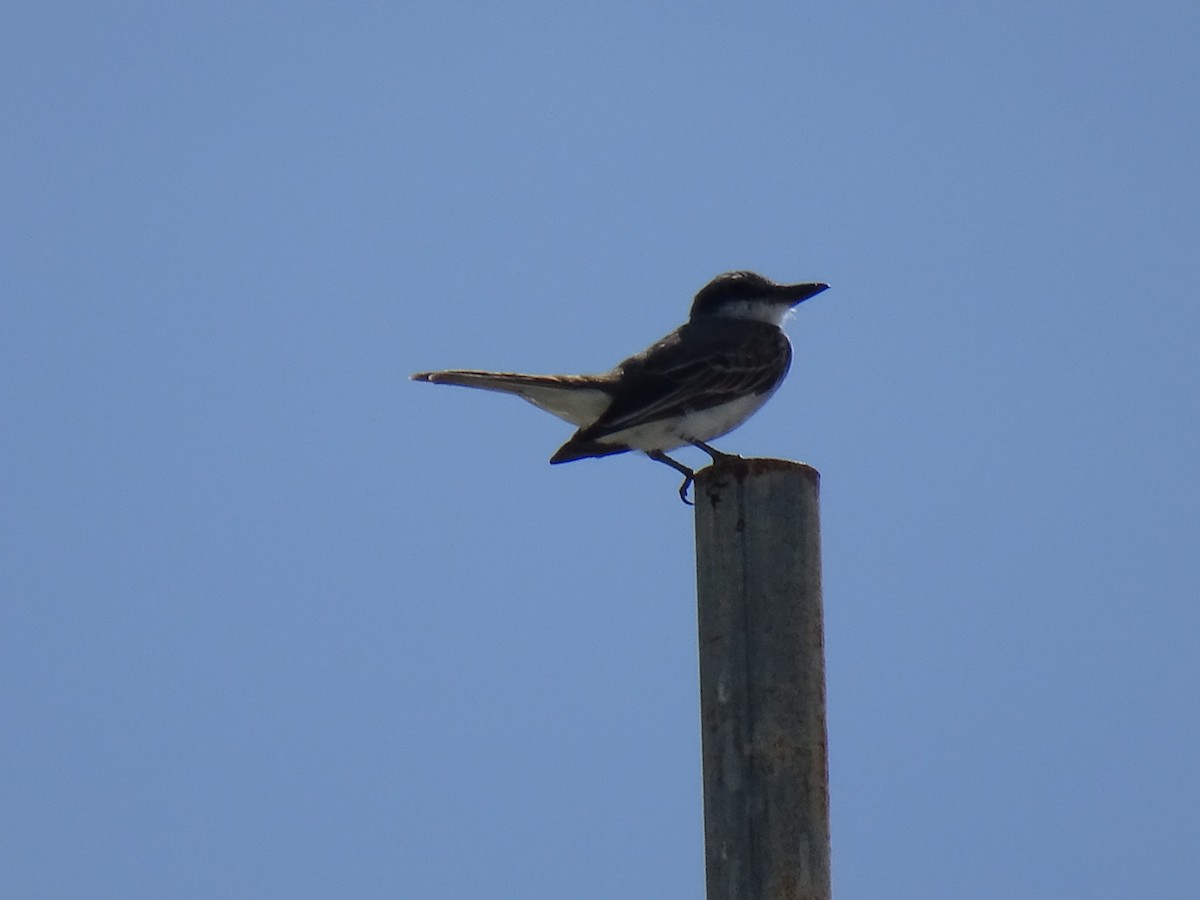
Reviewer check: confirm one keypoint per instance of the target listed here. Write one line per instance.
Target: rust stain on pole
(762, 681)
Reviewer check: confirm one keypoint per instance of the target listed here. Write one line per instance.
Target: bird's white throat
(756, 310)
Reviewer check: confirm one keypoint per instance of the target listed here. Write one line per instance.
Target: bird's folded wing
(677, 376)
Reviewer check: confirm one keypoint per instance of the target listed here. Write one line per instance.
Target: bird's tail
(579, 399)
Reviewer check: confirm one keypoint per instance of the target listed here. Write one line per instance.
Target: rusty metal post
(762, 681)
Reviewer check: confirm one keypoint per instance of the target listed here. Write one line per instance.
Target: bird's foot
(717, 455)
(683, 489)
(688, 475)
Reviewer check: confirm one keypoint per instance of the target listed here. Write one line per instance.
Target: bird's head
(748, 295)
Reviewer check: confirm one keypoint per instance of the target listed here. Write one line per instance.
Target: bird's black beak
(794, 294)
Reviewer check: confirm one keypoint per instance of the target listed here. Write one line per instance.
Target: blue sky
(277, 622)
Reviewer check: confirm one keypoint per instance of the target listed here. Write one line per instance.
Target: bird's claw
(683, 489)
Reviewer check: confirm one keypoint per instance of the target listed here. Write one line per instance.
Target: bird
(698, 383)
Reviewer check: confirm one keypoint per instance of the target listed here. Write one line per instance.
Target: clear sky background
(277, 622)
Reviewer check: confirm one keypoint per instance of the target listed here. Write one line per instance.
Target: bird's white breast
(700, 425)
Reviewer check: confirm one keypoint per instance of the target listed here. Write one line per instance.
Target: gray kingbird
(701, 381)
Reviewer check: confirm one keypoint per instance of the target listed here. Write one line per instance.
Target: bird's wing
(701, 365)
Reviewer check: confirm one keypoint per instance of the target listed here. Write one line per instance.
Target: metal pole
(762, 681)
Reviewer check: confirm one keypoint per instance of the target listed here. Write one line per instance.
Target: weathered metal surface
(762, 681)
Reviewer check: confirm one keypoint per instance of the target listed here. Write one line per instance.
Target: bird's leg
(717, 455)
(688, 475)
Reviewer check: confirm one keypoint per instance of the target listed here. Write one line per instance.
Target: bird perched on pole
(701, 381)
